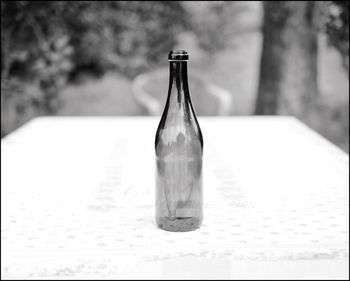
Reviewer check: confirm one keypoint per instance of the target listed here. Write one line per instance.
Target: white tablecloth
(77, 201)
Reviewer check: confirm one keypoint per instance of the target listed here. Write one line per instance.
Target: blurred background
(109, 58)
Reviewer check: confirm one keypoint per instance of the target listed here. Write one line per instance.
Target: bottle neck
(178, 84)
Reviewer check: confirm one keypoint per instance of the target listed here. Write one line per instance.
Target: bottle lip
(178, 55)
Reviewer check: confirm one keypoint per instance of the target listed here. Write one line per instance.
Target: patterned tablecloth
(77, 201)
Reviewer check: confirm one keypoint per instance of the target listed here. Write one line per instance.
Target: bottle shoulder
(182, 136)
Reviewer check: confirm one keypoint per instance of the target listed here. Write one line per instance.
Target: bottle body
(179, 151)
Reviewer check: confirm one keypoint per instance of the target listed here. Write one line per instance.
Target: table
(77, 201)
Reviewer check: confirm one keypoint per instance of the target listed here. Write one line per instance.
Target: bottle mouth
(178, 55)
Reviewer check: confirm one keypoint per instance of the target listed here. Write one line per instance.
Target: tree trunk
(288, 70)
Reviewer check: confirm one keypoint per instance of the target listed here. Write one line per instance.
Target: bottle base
(178, 224)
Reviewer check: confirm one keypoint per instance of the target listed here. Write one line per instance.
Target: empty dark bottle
(179, 150)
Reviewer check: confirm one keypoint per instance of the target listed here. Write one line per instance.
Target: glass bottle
(179, 150)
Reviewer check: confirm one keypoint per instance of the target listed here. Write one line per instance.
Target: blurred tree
(336, 25)
(215, 22)
(336, 22)
(288, 71)
(35, 59)
(129, 36)
(122, 35)
(45, 43)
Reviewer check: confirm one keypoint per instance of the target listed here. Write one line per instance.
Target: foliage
(214, 22)
(125, 35)
(33, 46)
(45, 43)
(337, 28)
(336, 25)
